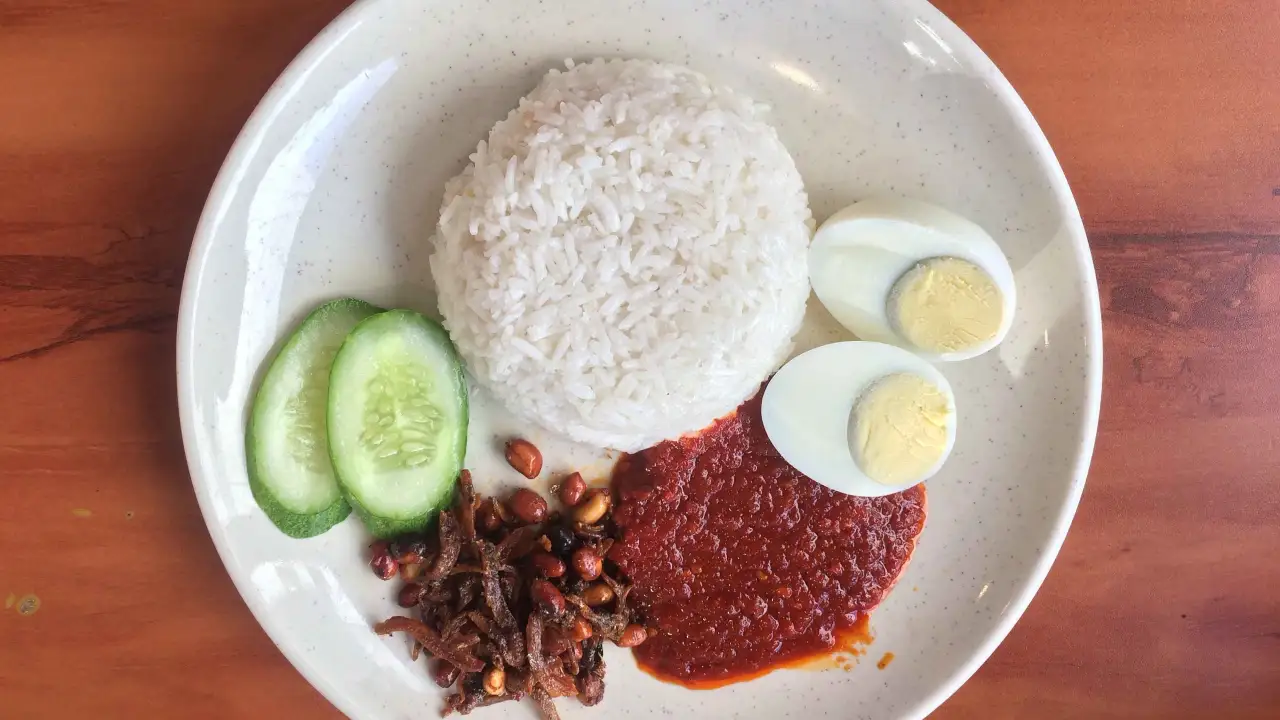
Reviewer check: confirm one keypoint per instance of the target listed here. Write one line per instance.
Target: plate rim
(1092, 311)
(296, 72)
(229, 175)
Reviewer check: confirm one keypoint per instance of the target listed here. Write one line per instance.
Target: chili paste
(742, 563)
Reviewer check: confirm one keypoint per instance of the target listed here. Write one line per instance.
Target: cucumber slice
(397, 421)
(286, 444)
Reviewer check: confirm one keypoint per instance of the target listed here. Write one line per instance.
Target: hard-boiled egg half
(862, 418)
(911, 274)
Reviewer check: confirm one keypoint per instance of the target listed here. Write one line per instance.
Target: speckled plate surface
(334, 185)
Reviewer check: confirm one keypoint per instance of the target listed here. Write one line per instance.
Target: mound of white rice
(624, 260)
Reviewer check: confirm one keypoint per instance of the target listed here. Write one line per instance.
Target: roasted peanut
(409, 571)
(597, 594)
(593, 507)
(547, 596)
(587, 563)
(488, 517)
(384, 566)
(547, 564)
(572, 490)
(581, 629)
(524, 457)
(632, 636)
(495, 681)
(528, 506)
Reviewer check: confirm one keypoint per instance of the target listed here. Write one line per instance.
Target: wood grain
(1158, 109)
(114, 116)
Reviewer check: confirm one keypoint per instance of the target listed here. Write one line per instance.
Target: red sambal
(742, 563)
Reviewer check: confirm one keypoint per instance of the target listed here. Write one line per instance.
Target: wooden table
(114, 117)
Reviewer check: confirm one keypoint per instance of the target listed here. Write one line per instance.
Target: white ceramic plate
(333, 187)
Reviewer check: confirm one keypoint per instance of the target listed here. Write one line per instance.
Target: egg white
(807, 409)
(860, 253)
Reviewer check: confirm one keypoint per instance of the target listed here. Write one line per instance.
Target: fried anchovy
(450, 548)
(431, 642)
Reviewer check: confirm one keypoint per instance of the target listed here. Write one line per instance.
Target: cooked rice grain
(624, 260)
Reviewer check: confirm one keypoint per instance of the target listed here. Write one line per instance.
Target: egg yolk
(946, 304)
(899, 429)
